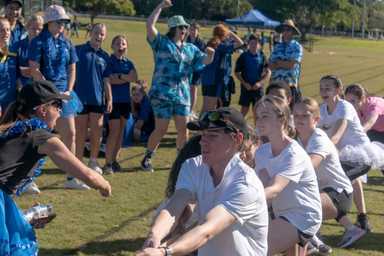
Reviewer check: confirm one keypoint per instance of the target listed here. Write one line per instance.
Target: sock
(92, 159)
(149, 153)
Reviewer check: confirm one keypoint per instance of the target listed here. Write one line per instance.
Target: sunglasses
(182, 27)
(61, 22)
(218, 119)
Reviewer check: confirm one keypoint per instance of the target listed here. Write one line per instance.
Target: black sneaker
(146, 164)
(116, 166)
(108, 169)
(318, 247)
(363, 223)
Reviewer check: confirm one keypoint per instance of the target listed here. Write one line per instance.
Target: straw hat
(288, 23)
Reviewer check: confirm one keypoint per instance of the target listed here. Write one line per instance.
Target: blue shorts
(72, 106)
(166, 109)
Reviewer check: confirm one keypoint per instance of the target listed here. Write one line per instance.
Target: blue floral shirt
(291, 51)
(173, 68)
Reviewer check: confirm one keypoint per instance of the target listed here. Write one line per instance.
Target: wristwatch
(168, 251)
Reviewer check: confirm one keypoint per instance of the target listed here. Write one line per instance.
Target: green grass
(86, 224)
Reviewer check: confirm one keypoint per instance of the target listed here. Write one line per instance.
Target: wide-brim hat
(176, 21)
(20, 3)
(288, 23)
(54, 13)
(38, 93)
(221, 118)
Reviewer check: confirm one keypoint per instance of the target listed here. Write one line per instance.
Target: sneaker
(95, 166)
(32, 189)
(76, 184)
(108, 169)
(351, 236)
(116, 166)
(363, 223)
(146, 164)
(318, 247)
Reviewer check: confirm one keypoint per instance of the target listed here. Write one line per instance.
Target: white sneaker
(76, 184)
(351, 236)
(32, 189)
(95, 166)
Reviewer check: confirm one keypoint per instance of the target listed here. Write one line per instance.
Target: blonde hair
(122, 37)
(35, 18)
(311, 104)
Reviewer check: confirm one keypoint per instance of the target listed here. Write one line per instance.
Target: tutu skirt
(72, 106)
(370, 154)
(17, 237)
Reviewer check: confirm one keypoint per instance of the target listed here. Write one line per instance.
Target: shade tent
(253, 18)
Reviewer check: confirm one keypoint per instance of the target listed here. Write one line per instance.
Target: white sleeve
(318, 145)
(260, 159)
(185, 180)
(244, 202)
(292, 168)
(346, 111)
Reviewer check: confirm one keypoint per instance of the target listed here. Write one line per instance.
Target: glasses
(61, 22)
(182, 27)
(218, 119)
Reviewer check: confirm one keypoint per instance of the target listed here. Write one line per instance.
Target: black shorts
(342, 201)
(354, 170)
(120, 110)
(210, 90)
(374, 135)
(250, 97)
(92, 109)
(303, 237)
(196, 78)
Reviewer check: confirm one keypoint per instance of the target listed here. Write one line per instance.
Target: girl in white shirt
(289, 179)
(335, 187)
(358, 155)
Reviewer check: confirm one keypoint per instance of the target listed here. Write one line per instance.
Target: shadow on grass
(139, 169)
(377, 181)
(370, 242)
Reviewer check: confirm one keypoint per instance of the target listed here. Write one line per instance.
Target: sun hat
(288, 23)
(54, 13)
(20, 3)
(38, 93)
(225, 117)
(176, 21)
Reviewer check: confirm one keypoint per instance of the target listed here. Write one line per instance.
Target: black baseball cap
(225, 117)
(38, 93)
(20, 3)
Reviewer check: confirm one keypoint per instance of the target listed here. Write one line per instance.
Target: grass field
(89, 225)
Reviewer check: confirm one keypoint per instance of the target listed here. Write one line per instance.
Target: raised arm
(68, 162)
(236, 39)
(152, 19)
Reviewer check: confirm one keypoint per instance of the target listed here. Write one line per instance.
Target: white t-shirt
(240, 193)
(354, 134)
(329, 173)
(299, 201)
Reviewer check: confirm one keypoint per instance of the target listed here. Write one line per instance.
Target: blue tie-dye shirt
(173, 68)
(291, 51)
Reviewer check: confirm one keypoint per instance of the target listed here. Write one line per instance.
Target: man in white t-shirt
(232, 210)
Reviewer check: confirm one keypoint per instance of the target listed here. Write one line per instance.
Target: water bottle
(40, 211)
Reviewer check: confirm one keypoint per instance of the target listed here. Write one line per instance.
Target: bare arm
(338, 130)
(35, 71)
(278, 184)
(68, 162)
(283, 64)
(152, 19)
(117, 79)
(108, 94)
(210, 55)
(71, 76)
(237, 40)
(316, 160)
(367, 125)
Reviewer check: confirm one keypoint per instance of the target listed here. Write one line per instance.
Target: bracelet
(168, 251)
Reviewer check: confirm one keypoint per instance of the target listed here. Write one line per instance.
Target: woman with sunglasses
(25, 137)
(231, 207)
(52, 57)
(175, 61)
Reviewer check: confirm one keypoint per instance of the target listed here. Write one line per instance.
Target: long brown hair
(14, 112)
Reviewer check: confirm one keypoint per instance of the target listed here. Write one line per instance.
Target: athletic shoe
(108, 169)
(116, 166)
(76, 184)
(146, 164)
(32, 189)
(362, 222)
(95, 166)
(318, 247)
(351, 236)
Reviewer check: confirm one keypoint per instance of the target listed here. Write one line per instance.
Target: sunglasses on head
(218, 119)
(58, 104)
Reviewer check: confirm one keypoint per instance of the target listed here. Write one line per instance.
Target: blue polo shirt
(54, 56)
(90, 74)
(251, 66)
(120, 92)
(22, 53)
(17, 34)
(8, 76)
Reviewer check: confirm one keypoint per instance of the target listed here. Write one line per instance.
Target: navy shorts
(196, 78)
(120, 110)
(92, 109)
(250, 97)
(210, 90)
